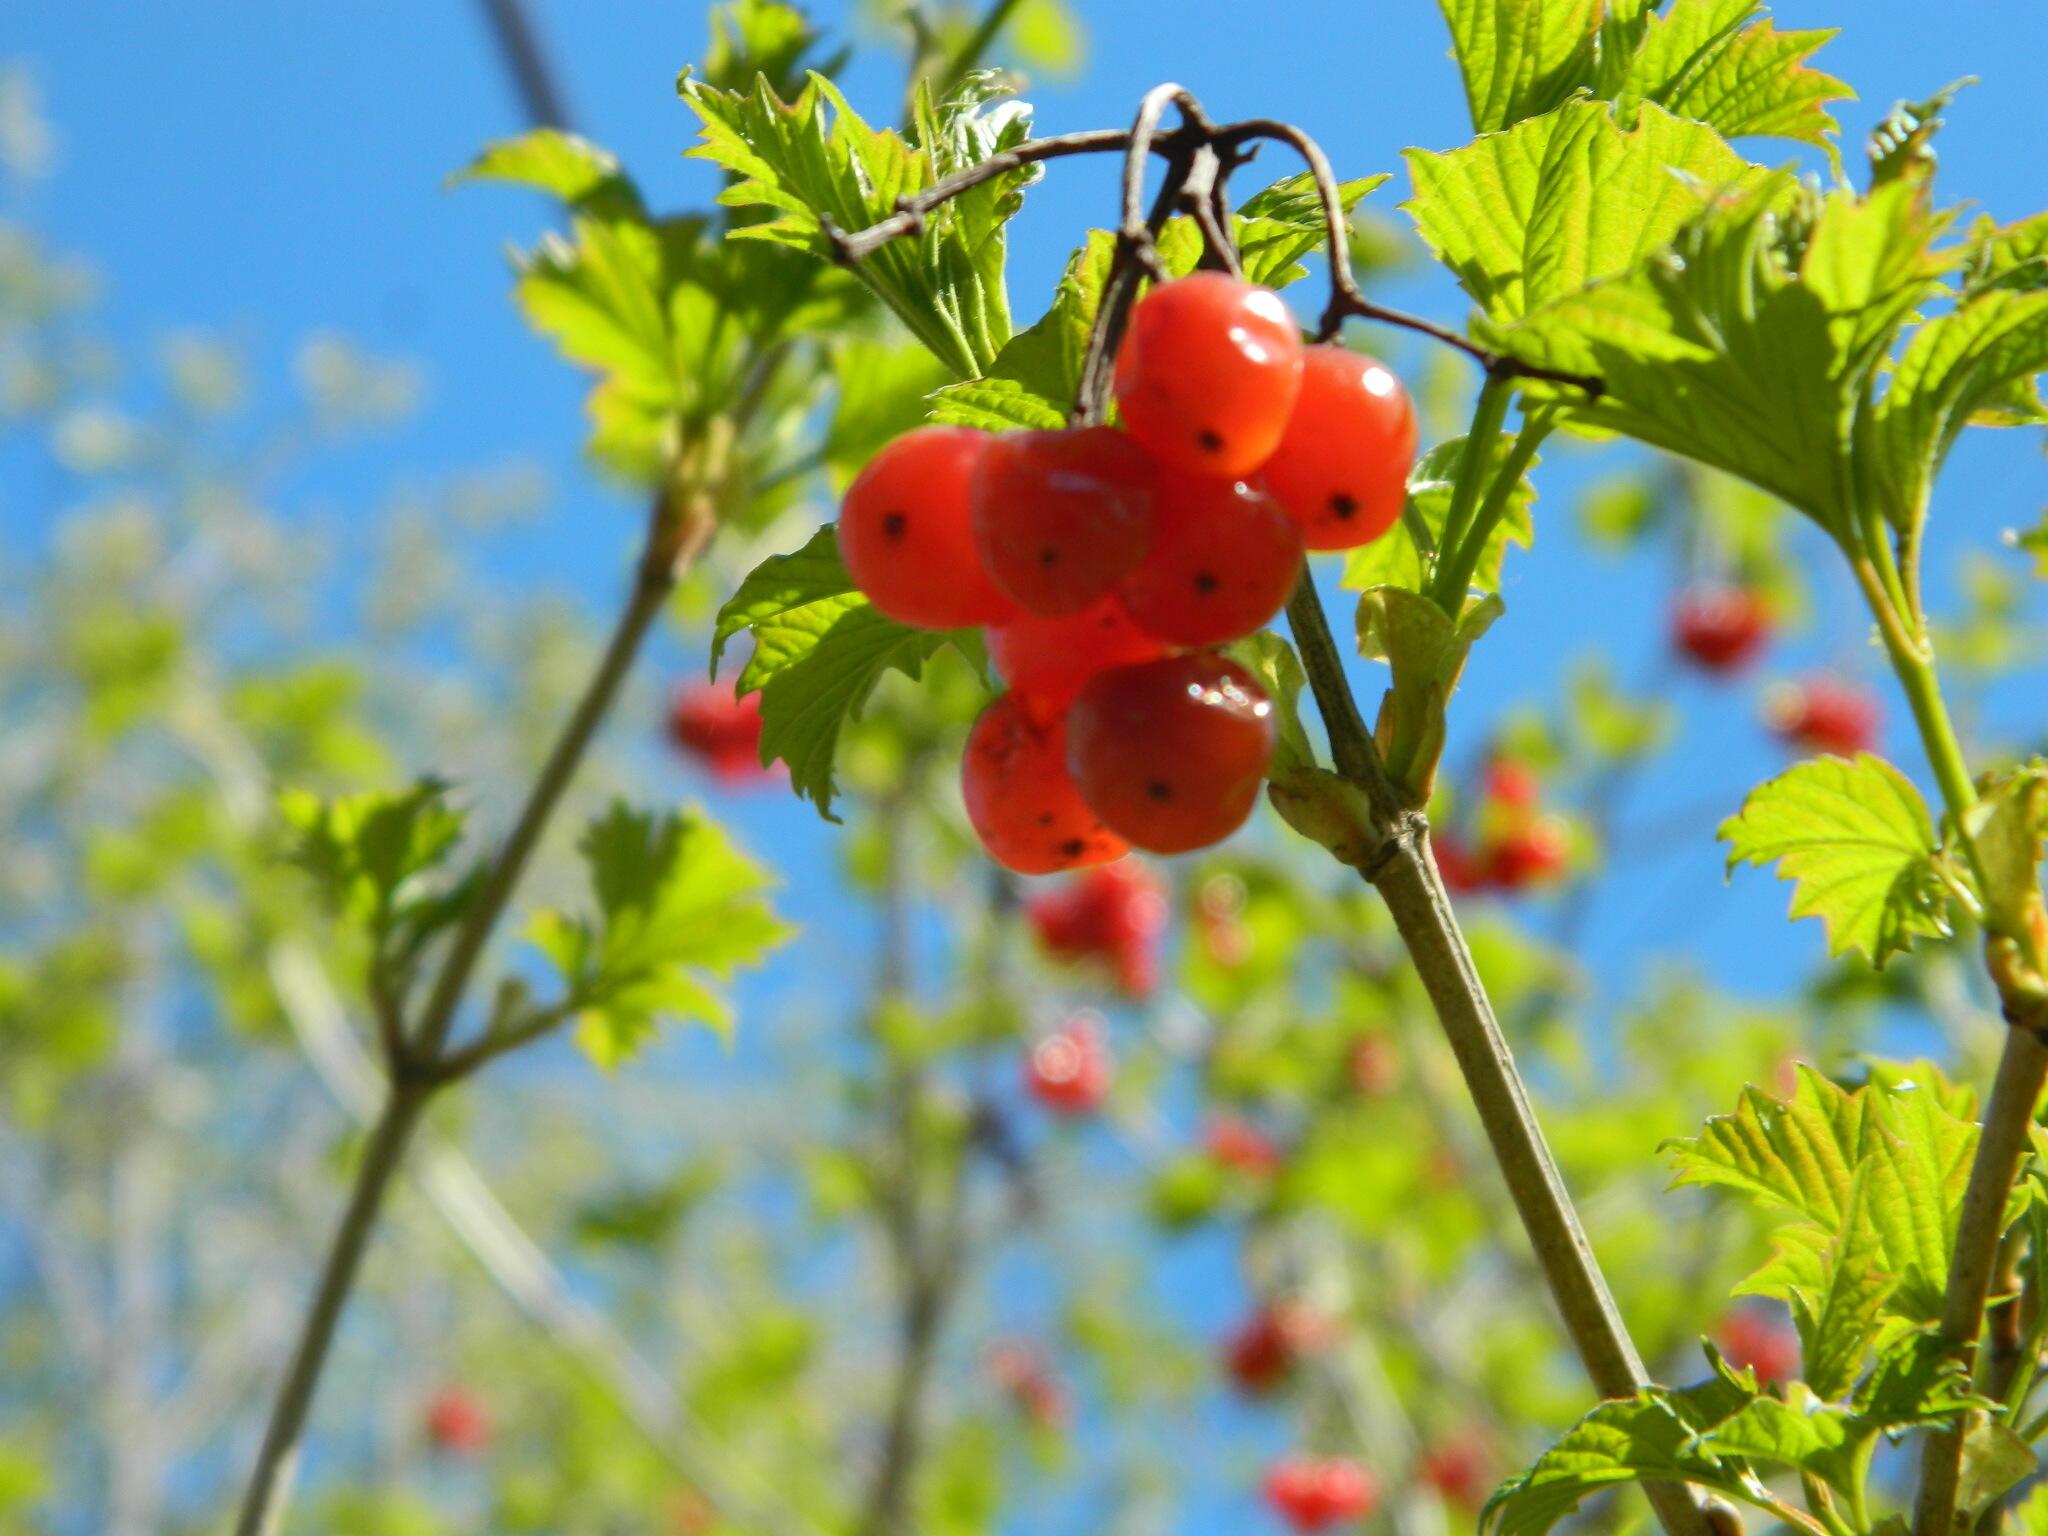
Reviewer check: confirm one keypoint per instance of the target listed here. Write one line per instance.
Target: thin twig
(527, 62)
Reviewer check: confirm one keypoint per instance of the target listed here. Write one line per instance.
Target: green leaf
(1536, 213)
(563, 165)
(1521, 58)
(819, 650)
(1976, 365)
(1394, 560)
(2031, 1517)
(1750, 343)
(815, 159)
(2034, 541)
(2007, 828)
(1994, 1460)
(880, 391)
(1900, 145)
(372, 854)
(1799, 1431)
(1858, 843)
(678, 907)
(751, 38)
(1277, 227)
(1883, 1162)
(1720, 62)
(1657, 1435)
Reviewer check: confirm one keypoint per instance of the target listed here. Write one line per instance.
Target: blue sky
(268, 170)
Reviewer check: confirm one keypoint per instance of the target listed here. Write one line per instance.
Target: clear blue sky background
(271, 169)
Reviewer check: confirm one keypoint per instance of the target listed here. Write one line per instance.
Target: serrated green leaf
(1799, 1431)
(1994, 1461)
(573, 169)
(1918, 1380)
(678, 906)
(1858, 843)
(372, 854)
(819, 649)
(879, 393)
(752, 38)
(1657, 1435)
(1892, 1160)
(1521, 58)
(1394, 559)
(1536, 213)
(1749, 343)
(1277, 227)
(816, 159)
(1722, 63)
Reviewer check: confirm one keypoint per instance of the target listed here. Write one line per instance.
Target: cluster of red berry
(1112, 917)
(1263, 1352)
(1513, 843)
(1721, 627)
(1313, 1493)
(1108, 565)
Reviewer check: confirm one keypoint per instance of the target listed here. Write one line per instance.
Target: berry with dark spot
(1224, 560)
(1342, 466)
(1051, 659)
(1207, 373)
(906, 533)
(1020, 800)
(1171, 754)
(1061, 517)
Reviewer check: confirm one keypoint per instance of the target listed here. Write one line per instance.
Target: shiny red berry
(1262, 1353)
(1171, 753)
(1069, 1070)
(1756, 1339)
(1719, 627)
(1061, 517)
(1313, 1494)
(1051, 659)
(721, 732)
(907, 536)
(1824, 714)
(1342, 466)
(1208, 372)
(1020, 800)
(457, 1423)
(1224, 559)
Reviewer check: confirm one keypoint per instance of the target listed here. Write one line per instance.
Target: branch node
(1404, 836)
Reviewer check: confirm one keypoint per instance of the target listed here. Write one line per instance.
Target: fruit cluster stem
(1406, 876)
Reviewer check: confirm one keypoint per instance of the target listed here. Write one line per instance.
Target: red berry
(1242, 1146)
(1114, 914)
(1171, 753)
(1061, 517)
(1757, 1339)
(1264, 1351)
(1342, 467)
(1719, 627)
(1823, 714)
(720, 731)
(1208, 372)
(1022, 1372)
(1023, 805)
(1536, 850)
(1224, 559)
(907, 536)
(1461, 871)
(1312, 1494)
(1069, 1070)
(1050, 659)
(1375, 1068)
(457, 1423)
(1458, 1469)
(1511, 784)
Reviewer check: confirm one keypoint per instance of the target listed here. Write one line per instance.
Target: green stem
(1454, 576)
(1489, 414)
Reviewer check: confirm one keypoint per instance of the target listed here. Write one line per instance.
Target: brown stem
(1405, 873)
(528, 63)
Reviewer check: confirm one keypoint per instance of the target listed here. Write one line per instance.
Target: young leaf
(678, 907)
(372, 853)
(2007, 828)
(1394, 560)
(1426, 651)
(1560, 201)
(1277, 227)
(1520, 58)
(1857, 840)
(815, 160)
(2034, 541)
(572, 169)
(1720, 62)
(819, 650)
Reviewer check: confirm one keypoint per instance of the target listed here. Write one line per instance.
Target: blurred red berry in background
(1114, 915)
(1824, 714)
(1069, 1070)
(1758, 1339)
(1718, 626)
(719, 732)
(1313, 1494)
(456, 1422)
